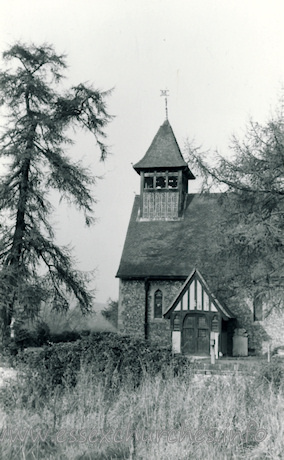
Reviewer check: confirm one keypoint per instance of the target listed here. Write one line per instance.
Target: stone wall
(131, 310)
(131, 307)
(159, 328)
(131, 315)
(260, 333)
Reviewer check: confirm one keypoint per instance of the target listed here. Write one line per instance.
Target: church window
(158, 304)
(160, 182)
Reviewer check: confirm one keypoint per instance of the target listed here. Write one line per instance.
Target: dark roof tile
(170, 249)
(164, 152)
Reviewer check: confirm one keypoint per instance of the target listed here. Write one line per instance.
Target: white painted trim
(176, 341)
(206, 287)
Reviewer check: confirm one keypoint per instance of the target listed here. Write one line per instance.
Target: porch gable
(195, 295)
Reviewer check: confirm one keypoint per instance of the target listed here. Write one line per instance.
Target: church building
(164, 295)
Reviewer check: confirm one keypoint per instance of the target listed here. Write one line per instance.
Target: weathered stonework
(159, 328)
(260, 333)
(131, 312)
(131, 308)
(169, 290)
(131, 315)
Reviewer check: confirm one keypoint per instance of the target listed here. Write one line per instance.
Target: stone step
(217, 372)
(224, 368)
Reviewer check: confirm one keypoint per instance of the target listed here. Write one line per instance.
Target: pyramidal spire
(163, 153)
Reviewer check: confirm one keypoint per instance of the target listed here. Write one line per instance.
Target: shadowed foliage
(251, 233)
(33, 267)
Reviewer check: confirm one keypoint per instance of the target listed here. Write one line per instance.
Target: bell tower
(164, 178)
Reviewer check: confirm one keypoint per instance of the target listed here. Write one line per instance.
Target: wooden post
(142, 178)
(216, 347)
(212, 347)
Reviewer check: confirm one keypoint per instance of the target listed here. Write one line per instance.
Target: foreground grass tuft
(137, 409)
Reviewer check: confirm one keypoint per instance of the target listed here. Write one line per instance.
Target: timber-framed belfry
(171, 291)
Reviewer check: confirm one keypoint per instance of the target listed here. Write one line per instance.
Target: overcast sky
(222, 62)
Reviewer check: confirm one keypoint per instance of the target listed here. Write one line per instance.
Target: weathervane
(164, 92)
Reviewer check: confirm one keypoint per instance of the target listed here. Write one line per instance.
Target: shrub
(272, 373)
(25, 338)
(114, 358)
(42, 333)
(110, 313)
(65, 336)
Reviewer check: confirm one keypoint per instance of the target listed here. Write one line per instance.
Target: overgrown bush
(65, 336)
(146, 402)
(272, 373)
(39, 336)
(25, 338)
(30, 336)
(114, 358)
(110, 312)
(42, 333)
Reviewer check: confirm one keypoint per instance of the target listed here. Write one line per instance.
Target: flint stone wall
(131, 311)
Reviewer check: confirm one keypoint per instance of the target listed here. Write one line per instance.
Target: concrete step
(200, 367)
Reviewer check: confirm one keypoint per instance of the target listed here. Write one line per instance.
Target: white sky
(222, 62)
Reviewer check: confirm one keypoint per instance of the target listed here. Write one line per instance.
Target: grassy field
(107, 397)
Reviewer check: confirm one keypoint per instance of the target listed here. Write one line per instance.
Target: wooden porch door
(195, 335)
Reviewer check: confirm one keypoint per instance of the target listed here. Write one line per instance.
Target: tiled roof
(170, 249)
(164, 152)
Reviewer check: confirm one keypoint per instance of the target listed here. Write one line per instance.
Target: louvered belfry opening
(160, 195)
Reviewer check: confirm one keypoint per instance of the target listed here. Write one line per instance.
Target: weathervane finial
(165, 93)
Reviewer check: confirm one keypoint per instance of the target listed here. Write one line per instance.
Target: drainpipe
(147, 286)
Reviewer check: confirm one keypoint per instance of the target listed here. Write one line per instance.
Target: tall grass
(167, 416)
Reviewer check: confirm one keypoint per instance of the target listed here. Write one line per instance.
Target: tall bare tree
(251, 232)
(38, 113)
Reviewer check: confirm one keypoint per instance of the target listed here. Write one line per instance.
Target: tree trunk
(13, 262)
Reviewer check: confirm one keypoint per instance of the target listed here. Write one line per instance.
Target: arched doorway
(195, 334)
